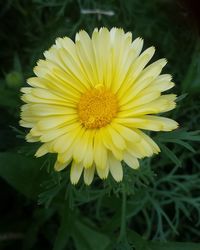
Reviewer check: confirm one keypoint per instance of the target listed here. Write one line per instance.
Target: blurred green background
(162, 198)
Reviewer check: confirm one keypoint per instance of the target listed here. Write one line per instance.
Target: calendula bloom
(91, 99)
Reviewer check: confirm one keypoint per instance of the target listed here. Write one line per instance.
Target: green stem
(122, 235)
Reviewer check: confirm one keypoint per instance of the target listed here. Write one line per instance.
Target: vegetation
(156, 207)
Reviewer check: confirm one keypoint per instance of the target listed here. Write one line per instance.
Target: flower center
(97, 107)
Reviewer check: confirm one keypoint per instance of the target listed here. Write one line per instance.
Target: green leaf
(170, 154)
(23, 173)
(87, 238)
(41, 216)
(65, 229)
(138, 242)
(9, 98)
(181, 97)
(14, 80)
(182, 143)
(181, 134)
(191, 80)
(142, 244)
(174, 246)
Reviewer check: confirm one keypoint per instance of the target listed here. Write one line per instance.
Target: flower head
(90, 101)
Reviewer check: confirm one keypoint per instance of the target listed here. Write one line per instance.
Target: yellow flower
(90, 99)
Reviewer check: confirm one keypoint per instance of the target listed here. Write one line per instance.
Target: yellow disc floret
(97, 108)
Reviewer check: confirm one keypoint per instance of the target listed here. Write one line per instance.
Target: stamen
(97, 107)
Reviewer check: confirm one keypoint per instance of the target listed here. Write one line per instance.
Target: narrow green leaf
(142, 244)
(181, 134)
(180, 142)
(64, 232)
(23, 173)
(181, 97)
(170, 154)
(87, 238)
(41, 216)
(174, 246)
(138, 242)
(9, 98)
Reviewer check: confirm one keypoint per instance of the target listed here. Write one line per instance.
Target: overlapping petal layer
(91, 97)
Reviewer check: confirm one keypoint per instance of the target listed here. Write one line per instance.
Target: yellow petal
(86, 55)
(115, 168)
(137, 47)
(150, 122)
(64, 142)
(136, 69)
(103, 58)
(89, 175)
(162, 83)
(89, 156)
(142, 99)
(68, 85)
(145, 79)
(121, 60)
(100, 152)
(54, 133)
(81, 151)
(133, 90)
(41, 110)
(127, 133)
(58, 166)
(66, 156)
(149, 141)
(103, 172)
(55, 121)
(75, 173)
(108, 143)
(26, 124)
(117, 139)
(78, 81)
(42, 150)
(162, 104)
(68, 45)
(131, 160)
(30, 138)
(62, 60)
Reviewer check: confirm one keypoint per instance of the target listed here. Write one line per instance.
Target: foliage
(156, 207)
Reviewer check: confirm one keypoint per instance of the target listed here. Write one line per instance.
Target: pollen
(97, 107)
